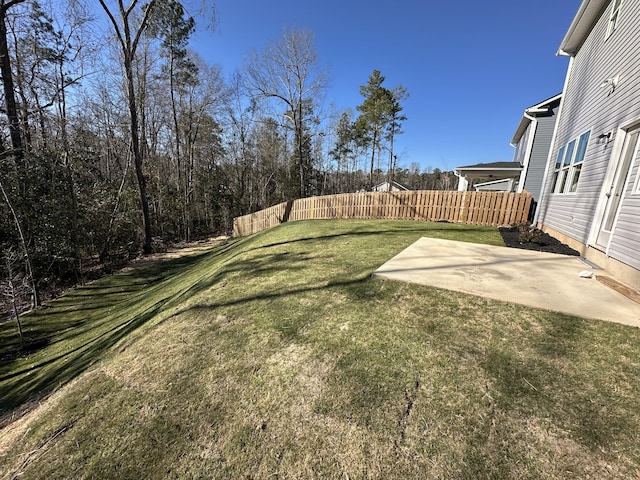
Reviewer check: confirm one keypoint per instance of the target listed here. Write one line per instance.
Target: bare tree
(128, 34)
(287, 70)
(198, 104)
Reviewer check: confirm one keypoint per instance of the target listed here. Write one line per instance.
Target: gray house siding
(521, 147)
(539, 154)
(532, 141)
(625, 242)
(588, 106)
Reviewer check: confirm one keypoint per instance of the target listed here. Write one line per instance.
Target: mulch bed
(540, 242)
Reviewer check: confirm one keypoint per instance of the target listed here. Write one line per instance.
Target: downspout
(546, 187)
(462, 181)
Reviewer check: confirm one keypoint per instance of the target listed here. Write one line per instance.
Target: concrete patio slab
(542, 280)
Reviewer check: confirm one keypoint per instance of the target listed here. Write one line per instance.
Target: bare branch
(113, 22)
(6, 6)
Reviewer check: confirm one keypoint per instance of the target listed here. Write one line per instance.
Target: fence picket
(474, 208)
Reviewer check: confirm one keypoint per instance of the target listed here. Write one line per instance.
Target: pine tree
(374, 114)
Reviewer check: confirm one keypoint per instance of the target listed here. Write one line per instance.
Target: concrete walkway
(543, 280)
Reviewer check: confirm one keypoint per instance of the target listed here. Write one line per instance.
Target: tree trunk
(137, 157)
(129, 47)
(7, 82)
(66, 161)
(302, 179)
(14, 306)
(391, 159)
(182, 181)
(373, 157)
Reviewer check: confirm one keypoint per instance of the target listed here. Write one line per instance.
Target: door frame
(615, 158)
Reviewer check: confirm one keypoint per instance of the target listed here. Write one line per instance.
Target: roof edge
(518, 167)
(546, 102)
(522, 127)
(582, 24)
(541, 107)
(492, 166)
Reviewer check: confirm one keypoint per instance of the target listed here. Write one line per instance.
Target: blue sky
(471, 68)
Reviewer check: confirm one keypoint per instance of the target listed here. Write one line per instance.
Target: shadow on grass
(77, 330)
(453, 230)
(23, 350)
(49, 373)
(81, 327)
(279, 294)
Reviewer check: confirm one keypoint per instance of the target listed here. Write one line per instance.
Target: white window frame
(636, 161)
(568, 167)
(614, 17)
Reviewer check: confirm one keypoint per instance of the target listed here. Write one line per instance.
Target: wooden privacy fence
(474, 208)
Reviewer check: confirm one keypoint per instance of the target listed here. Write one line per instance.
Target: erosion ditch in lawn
(277, 356)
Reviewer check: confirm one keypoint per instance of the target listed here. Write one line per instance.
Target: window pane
(576, 176)
(567, 157)
(559, 158)
(564, 181)
(613, 18)
(560, 181)
(582, 147)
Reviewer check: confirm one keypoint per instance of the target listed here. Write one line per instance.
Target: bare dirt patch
(178, 250)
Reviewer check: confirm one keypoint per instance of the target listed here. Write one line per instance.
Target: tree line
(115, 143)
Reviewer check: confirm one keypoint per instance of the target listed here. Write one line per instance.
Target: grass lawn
(277, 356)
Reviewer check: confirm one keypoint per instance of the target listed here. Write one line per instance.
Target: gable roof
(492, 166)
(398, 185)
(490, 170)
(542, 108)
(584, 21)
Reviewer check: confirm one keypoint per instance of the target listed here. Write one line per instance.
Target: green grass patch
(277, 356)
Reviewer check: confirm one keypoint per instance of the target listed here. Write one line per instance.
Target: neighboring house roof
(504, 167)
(394, 184)
(584, 21)
(495, 170)
(542, 108)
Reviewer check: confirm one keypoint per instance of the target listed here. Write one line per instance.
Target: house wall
(626, 238)
(540, 153)
(587, 106)
(521, 148)
(504, 185)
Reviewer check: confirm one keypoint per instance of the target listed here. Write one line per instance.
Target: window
(576, 167)
(614, 18)
(569, 165)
